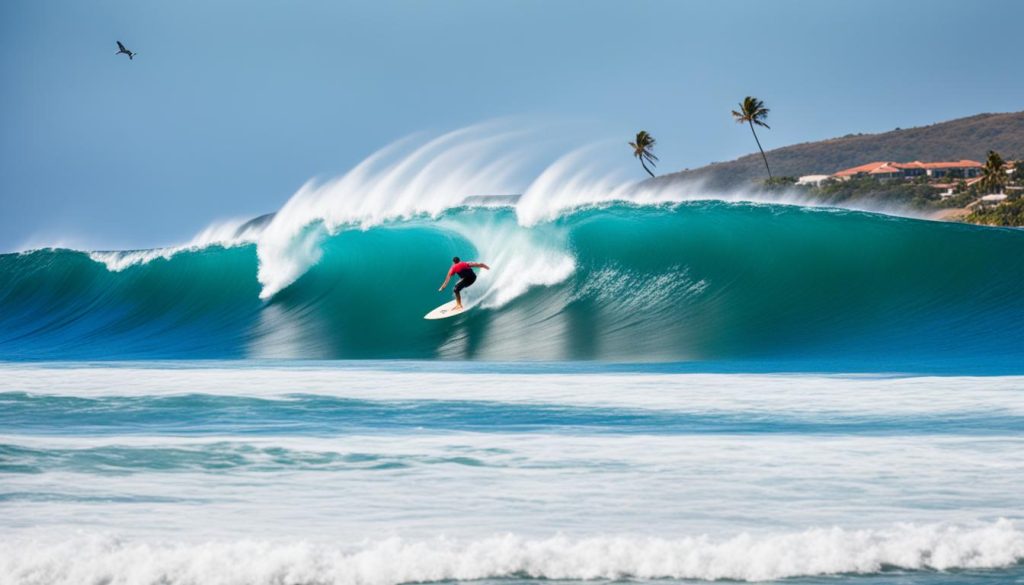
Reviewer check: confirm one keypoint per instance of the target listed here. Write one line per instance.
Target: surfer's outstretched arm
(446, 279)
(479, 265)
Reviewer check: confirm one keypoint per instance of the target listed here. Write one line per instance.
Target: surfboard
(447, 310)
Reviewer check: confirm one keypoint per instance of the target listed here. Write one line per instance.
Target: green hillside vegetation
(969, 138)
(1007, 213)
(915, 194)
(1010, 213)
(921, 194)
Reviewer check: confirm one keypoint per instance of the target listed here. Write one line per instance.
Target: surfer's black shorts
(465, 281)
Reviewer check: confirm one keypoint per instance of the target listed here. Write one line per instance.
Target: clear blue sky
(230, 105)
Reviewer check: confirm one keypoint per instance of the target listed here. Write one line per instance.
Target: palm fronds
(994, 172)
(752, 111)
(642, 146)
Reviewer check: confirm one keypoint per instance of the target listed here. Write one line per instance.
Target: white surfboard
(447, 310)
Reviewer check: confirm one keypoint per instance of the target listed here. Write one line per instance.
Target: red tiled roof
(961, 164)
(857, 170)
(886, 167)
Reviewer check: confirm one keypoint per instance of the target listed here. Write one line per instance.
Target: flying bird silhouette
(121, 49)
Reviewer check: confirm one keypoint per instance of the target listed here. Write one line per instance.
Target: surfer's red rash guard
(459, 268)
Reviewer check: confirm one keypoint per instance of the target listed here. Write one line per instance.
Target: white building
(813, 179)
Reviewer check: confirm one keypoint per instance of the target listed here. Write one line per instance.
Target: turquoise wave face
(812, 288)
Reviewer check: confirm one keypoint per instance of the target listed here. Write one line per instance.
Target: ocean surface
(396, 472)
(645, 389)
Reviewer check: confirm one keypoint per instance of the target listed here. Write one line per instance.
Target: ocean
(642, 392)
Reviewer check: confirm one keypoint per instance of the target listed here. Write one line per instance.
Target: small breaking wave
(228, 234)
(745, 557)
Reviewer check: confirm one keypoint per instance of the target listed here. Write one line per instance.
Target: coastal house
(994, 198)
(894, 170)
(878, 170)
(948, 189)
(967, 169)
(951, 188)
(813, 179)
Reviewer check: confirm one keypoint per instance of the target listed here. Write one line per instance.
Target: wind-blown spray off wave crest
(584, 267)
(392, 562)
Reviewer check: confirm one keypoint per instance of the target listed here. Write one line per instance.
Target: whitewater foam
(745, 557)
(434, 177)
(519, 258)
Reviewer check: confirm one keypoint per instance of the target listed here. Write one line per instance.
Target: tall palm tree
(642, 150)
(994, 172)
(752, 111)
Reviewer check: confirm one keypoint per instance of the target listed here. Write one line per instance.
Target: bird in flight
(121, 49)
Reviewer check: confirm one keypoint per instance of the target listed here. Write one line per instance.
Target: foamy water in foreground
(397, 472)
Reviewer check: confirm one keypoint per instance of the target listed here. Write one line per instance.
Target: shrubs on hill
(918, 195)
(915, 194)
(780, 183)
(1010, 213)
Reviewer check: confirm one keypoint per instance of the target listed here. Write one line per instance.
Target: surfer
(466, 277)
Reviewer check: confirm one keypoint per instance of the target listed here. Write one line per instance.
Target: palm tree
(994, 172)
(752, 111)
(642, 150)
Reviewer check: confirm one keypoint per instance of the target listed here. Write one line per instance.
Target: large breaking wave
(584, 268)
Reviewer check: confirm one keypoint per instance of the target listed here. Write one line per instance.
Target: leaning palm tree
(994, 172)
(642, 150)
(752, 111)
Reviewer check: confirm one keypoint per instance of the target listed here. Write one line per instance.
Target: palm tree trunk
(761, 149)
(646, 169)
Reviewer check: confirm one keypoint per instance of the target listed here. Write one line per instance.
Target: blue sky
(230, 106)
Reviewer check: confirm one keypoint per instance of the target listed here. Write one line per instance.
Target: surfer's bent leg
(463, 283)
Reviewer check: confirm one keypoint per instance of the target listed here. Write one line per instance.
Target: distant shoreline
(956, 214)
(970, 137)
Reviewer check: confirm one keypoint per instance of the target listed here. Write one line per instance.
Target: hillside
(969, 138)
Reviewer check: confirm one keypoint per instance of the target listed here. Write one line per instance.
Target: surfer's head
(456, 260)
